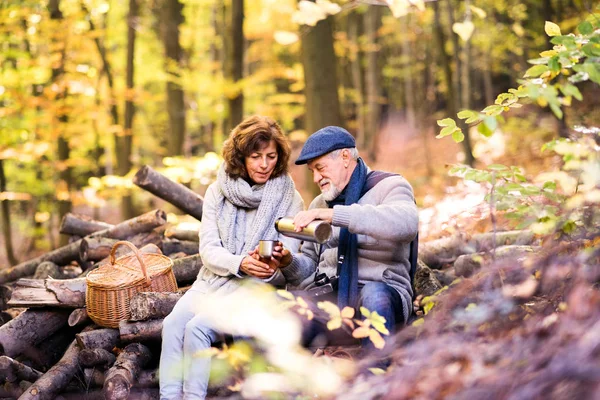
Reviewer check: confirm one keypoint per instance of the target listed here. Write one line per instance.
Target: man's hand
(251, 265)
(303, 218)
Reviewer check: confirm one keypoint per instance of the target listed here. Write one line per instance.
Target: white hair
(353, 152)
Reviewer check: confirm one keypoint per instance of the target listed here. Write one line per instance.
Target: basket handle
(137, 254)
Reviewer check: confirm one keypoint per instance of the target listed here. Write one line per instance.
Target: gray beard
(331, 193)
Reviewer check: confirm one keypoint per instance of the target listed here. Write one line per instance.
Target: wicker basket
(111, 286)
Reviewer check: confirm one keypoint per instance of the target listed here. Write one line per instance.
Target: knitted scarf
(272, 200)
(348, 244)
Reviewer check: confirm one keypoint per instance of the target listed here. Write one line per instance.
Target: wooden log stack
(50, 348)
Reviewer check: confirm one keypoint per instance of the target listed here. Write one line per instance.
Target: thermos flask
(317, 231)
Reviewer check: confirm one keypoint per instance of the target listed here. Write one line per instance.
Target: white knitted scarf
(272, 200)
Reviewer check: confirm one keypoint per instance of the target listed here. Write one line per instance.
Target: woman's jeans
(183, 373)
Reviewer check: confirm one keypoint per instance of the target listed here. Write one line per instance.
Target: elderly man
(374, 218)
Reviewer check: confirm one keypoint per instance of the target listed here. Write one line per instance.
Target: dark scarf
(359, 184)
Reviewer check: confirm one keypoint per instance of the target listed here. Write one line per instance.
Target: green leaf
(469, 115)
(571, 90)
(484, 130)
(536, 71)
(446, 122)
(585, 28)
(569, 227)
(553, 64)
(549, 185)
(552, 29)
(493, 109)
(458, 136)
(591, 50)
(497, 167)
(556, 110)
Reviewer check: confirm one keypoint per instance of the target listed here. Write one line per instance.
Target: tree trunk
(78, 316)
(81, 225)
(49, 385)
(140, 224)
(455, 90)
(172, 17)
(47, 269)
(173, 192)
(124, 142)
(28, 329)
(121, 376)
(95, 357)
(60, 256)
(409, 91)
(465, 91)
(13, 371)
(487, 77)
(191, 235)
(141, 331)
(147, 305)
(104, 338)
(68, 293)
(170, 246)
(186, 269)
(451, 105)
(357, 77)
(467, 264)
(95, 249)
(372, 80)
(321, 84)
(235, 63)
(6, 227)
(63, 151)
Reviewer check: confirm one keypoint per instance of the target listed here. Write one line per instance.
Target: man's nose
(316, 177)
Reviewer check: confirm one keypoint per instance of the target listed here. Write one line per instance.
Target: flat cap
(325, 141)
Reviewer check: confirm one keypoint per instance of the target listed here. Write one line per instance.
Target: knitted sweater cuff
(292, 270)
(234, 267)
(341, 216)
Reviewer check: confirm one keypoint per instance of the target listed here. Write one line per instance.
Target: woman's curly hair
(249, 136)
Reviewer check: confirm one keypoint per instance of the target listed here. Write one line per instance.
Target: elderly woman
(253, 190)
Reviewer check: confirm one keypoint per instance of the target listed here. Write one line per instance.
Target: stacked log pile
(49, 348)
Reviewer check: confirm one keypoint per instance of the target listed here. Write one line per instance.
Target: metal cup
(265, 248)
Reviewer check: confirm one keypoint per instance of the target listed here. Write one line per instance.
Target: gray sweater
(385, 220)
(221, 269)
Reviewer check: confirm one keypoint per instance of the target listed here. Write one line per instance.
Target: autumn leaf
(361, 332)
(464, 29)
(285, 294)
(376, 339)
(552, 29)
(334, 323)
(365, 312)
(301, 302)
(347, 312)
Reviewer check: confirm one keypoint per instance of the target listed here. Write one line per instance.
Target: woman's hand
(252, 265)
(303, 218)
(282, 256)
